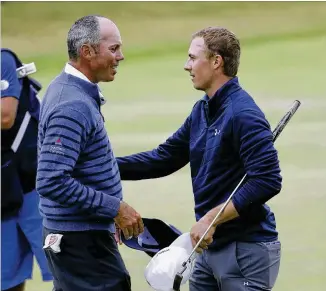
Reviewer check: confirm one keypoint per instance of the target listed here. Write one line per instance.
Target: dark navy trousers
(240, 266)
(88, 261)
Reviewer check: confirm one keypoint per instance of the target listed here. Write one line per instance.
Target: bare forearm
(227, 214)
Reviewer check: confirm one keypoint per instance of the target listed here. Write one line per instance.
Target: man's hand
(198, 230)
(129, 221)
(201, 226)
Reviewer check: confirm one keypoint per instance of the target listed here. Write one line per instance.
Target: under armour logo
(245, 283)
(217, 132)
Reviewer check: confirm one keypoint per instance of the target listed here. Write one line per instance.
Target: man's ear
(217, 61)
(87, 51)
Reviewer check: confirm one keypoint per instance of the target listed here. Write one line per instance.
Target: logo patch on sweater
(58, 142)
(57, 147)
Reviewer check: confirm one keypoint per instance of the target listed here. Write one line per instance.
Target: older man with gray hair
(78, 179)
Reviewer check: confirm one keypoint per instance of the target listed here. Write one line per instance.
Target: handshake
(129, 221)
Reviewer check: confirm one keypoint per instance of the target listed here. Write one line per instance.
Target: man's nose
(187, 67)
(120, 56)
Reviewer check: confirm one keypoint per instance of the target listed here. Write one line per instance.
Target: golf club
(277, 131)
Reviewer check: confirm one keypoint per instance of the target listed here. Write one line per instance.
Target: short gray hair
(85, 30)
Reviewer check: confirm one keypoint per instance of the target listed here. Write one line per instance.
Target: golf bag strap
(21, 132)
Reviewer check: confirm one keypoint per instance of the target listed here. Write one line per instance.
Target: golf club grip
(177, 282)
(277, 131)
(286, 118)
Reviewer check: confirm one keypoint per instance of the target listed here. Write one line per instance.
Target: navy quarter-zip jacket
(223, 138)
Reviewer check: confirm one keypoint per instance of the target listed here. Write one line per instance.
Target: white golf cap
(163, 267)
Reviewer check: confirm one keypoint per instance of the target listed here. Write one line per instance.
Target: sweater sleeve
(253, 140)
(164, 160)
(63, 140)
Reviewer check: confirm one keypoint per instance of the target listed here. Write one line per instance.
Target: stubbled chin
(197, 87)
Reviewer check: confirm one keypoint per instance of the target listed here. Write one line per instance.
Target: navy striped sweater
(78, 179)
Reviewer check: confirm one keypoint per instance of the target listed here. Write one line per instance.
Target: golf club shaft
(277, 131)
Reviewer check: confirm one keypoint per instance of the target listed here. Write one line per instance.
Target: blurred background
(283, 59)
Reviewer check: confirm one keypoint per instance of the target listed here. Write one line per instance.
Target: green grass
(283, 48)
